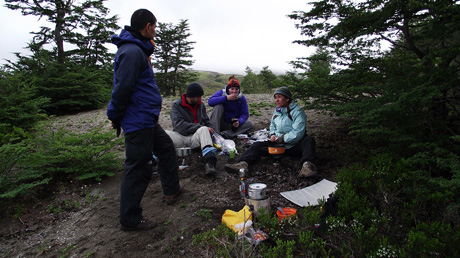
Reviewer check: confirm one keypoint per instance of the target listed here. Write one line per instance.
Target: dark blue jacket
(136, 100)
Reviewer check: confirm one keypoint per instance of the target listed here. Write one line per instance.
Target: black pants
(139, 147)
(305, 149)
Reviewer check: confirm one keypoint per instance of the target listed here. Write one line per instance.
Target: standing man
(135, 106)
(192, 127)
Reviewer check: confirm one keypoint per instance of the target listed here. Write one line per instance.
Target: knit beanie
(194, 90)
(283, 91)
(233, 82)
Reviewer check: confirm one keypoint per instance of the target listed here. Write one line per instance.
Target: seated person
(191, 126)
(230, 113)
(288, 126)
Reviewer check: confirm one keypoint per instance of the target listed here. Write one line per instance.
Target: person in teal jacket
(288, 127)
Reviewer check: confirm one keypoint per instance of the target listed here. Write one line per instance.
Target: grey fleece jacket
(187, 119)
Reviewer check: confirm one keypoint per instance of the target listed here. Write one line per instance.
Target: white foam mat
(309, 196)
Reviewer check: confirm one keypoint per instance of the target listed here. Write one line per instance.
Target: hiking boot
(210, 169)
(172, 199)
(235, 168)
(308, 170)
(145, 224)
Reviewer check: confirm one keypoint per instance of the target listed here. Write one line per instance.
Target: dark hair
(141, 17)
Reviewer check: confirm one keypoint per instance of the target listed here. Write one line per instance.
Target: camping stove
(257, 198)
(258, 204)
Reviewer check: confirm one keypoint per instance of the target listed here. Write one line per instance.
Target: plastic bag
(261, 135)
(228, 145)
(218, 140)
(239, 221)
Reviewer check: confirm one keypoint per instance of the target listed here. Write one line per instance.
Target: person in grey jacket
(192, 127)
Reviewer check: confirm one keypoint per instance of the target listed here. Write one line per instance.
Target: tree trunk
(58, 31)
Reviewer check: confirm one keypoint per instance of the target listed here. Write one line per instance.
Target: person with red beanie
(230, 110)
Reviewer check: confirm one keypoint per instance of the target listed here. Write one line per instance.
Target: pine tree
(172, 57)
(77, 79)
(68, 17)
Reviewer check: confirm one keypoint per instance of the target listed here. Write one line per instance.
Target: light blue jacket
(293, 124)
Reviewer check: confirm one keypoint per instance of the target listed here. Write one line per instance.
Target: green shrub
(56, 155)
(281, 249)
(20, 109)
(221, 242)
(387, 210)
(72, 88)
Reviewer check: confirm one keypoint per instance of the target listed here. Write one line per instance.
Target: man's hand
(236, 124)
(272, 138)
(211, 131)
(116, 126)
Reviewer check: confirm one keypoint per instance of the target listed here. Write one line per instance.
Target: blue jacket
(234, 108)
(136, 100)
(292, 125)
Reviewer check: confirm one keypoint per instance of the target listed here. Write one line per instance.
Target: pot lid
(257, 186)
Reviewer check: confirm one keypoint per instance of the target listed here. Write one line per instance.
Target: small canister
(232, 153)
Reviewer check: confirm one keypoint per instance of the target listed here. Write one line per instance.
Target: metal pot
(257, 191)
(182, 152)
(277, 148)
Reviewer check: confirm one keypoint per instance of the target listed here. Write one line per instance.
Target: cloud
(229, 35)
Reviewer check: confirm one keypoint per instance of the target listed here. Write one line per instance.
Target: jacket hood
(128, 35)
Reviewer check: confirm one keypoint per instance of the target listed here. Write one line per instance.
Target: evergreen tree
(95, 29)
(182, 56)
(20, 109)
(68, 16)
(269, 78)
(164, 40)
(77, 79)
(172, 57)
(401, 96)
(251, 83)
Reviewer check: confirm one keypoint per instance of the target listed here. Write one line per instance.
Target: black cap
(194, 90)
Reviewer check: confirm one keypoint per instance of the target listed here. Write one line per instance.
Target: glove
(117, 126)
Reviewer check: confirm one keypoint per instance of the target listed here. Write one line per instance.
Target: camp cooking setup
(255, 195)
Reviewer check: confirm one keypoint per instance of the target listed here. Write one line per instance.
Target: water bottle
(232, 153)
(243, 186)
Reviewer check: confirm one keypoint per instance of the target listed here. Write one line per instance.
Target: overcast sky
(229, 35)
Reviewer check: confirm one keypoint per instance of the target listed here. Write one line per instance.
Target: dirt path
(92, 229)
